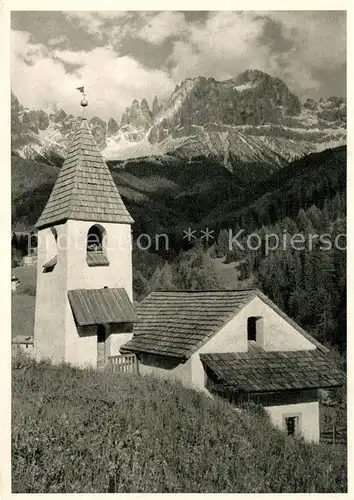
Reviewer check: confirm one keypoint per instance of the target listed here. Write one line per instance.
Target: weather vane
(84, 101)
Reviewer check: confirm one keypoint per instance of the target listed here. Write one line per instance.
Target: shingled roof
(177, 323)
(259, 371)
(101, 306)
(84, 189)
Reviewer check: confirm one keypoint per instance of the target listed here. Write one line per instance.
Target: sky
(120, 56)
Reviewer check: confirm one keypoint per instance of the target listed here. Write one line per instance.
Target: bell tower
(84, 268)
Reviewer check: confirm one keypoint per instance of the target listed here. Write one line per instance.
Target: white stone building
(234, 343)
(23, 344)
(237, 344)
(84, 268)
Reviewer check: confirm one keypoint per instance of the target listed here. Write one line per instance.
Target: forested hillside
(168, 195)
(307, 280)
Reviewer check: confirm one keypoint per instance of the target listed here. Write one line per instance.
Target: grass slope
(23, 301)
(84, 431)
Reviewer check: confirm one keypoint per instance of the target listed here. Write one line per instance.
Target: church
(84, 307)
(234, 343)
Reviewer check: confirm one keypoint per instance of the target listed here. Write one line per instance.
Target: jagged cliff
(252, 118)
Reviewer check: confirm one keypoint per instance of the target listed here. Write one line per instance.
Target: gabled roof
(101, 306)
(177, 323)
(84, 189)
(261, 371)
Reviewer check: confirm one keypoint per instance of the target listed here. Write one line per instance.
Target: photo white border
(5, 213)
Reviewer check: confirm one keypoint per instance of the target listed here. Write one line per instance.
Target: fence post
(127, 363)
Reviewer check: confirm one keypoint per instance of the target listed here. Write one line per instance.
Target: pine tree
(162, 279)
(14, 241)
(23, 244)
(223, 243)
(303, 222)
(316, 217)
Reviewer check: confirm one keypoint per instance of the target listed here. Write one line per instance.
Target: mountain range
(216, 156)
(239, 123)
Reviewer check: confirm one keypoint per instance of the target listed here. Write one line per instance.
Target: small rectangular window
(292, 425)
(255, 329)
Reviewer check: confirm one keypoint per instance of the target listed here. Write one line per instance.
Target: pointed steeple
(84, 189)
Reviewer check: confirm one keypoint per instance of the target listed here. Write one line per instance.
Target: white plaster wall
(116, 341)
(118, 249)
(279, 335)
(309, 418)
(198, 376)
(82, 349)
(232, 337)
(51, 297)
(182, 372)
(79, 350)
(190, 373)
(56, 336)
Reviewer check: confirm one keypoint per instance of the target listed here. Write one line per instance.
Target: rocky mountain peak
(251, 75)
(251, 117)
(144, 106)
(15, 104)
(99, 131)
(137, 115)
(270, 90)
(59, 116)
(112, 127)
(156, 108)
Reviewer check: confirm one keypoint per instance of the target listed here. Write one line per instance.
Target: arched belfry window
(95, 238)
(96, 246)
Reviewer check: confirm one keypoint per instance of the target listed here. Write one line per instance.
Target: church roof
(177, 323)
(84, 189)
(101, 306)
(258, 370)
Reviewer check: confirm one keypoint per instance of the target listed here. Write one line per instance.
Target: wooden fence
(125, 363)
(335, 435)
(333, 423)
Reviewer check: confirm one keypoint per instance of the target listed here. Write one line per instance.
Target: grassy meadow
(23, 301)
(81, 431)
